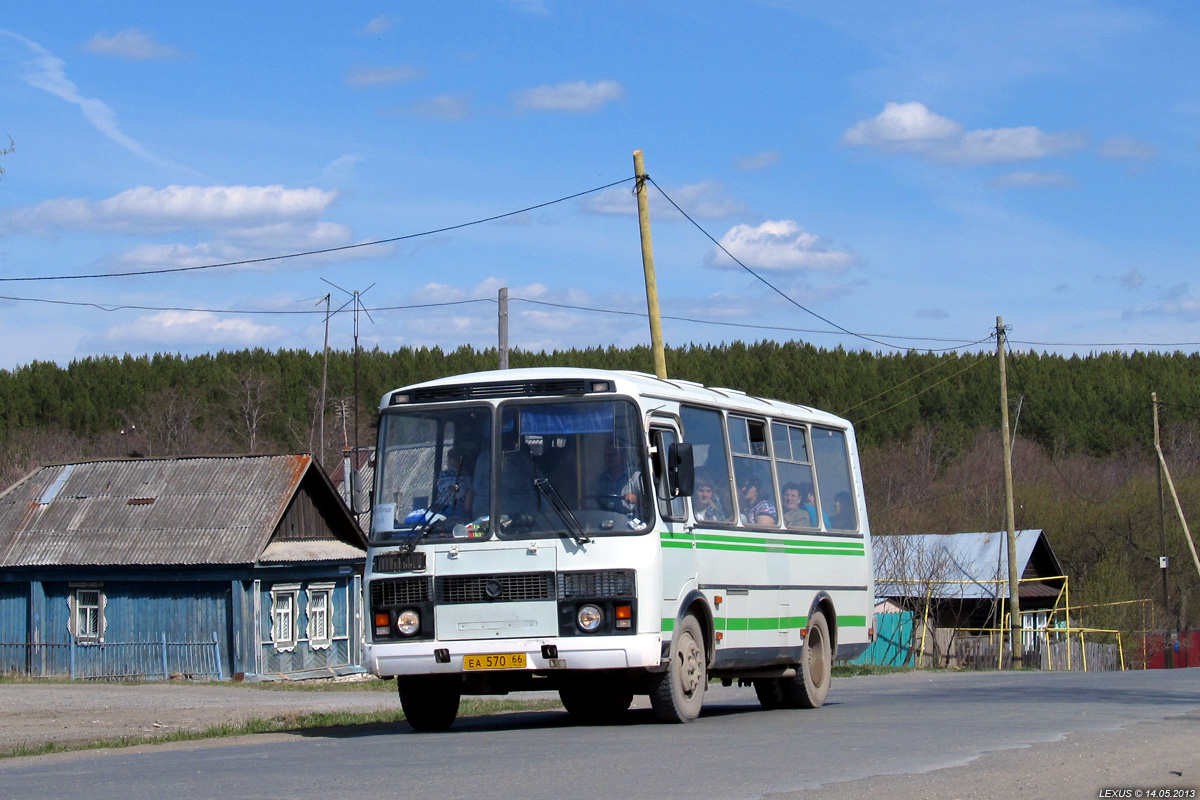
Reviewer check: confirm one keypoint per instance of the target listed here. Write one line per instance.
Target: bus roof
(627, 382)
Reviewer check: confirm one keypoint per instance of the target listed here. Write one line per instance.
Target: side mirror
(681, 470)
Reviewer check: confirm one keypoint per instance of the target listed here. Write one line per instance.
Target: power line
(128, 307)
(972, 365)
(767, 283)
(321, 251)
(965, 342)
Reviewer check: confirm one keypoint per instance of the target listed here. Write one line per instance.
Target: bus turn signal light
(624, 616)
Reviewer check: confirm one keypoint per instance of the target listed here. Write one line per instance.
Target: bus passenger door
(676, 540)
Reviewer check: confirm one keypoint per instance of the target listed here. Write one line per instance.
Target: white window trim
(320, 590)
(74, 608)
(284, 600)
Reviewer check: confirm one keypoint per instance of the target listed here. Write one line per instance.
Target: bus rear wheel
(810, 685)
(430, 702)
(677, 693)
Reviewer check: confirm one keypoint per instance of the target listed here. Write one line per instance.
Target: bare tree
(914, 573)
(249, 393)
(170, 421)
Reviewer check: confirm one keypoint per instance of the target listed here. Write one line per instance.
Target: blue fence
(159, 660)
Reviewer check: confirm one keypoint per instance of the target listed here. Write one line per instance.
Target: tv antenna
(356, 300)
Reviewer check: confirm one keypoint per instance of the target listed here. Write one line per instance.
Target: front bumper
(389, 659)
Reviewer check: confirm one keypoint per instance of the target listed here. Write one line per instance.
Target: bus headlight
(408, 622)
(589, 617)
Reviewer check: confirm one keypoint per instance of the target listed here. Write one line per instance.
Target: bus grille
(602, 583)
(506, 588)
(398, 591)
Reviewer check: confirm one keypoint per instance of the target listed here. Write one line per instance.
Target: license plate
(495, 661)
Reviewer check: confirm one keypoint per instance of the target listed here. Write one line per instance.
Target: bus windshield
(571, 469)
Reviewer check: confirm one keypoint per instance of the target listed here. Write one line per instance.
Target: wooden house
(956, 587)
(222, 567)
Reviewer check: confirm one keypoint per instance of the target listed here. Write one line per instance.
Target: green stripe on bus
(746, 544)
(767, 623)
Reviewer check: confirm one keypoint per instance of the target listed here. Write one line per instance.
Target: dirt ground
(35, 713)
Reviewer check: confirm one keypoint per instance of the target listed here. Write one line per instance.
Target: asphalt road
(977, 735)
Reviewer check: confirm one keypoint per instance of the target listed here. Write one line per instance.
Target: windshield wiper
(421, 530)
(574, 529)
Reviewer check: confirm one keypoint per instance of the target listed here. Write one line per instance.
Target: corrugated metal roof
(957, 565)
(177, 511)
(328, 550)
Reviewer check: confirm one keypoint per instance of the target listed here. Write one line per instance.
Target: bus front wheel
(430, 702)
(677, 693)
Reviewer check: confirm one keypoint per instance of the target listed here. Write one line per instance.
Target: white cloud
(444, 106)
(707, 199)
(171, 329)
(48, 72)
(1126, 147)
(377, 26)
(577, 96)
(901, 125)
(381, 76)
(174, 207)
(780, 246)
(913, 128)
(760, 160)
(131, 43)
(1021, 178)
(1005, 145)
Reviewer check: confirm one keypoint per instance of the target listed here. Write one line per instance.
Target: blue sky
(906, 171)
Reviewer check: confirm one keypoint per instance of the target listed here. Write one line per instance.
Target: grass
(289, 723)
(854, 670)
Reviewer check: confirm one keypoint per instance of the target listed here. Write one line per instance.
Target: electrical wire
(321, 251)
(767, 283)
(127, 307)
(699, 321)
(972, 365)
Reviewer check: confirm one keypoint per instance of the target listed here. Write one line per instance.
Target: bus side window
(703, 428)
(833, 476)
(672, 508)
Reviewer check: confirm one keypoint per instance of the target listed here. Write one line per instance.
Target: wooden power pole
(656, 340)
(1014, 578)
(503, 327)
(1163, 561)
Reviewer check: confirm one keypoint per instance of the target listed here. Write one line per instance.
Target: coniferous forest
(928, 427)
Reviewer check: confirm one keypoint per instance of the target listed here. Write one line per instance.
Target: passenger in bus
(795, 515)
(843, 512)
(455, 489)
(518, 495)
(810, 505)
(617, 487)
(482, 480)
(706, 505)
(756, 508)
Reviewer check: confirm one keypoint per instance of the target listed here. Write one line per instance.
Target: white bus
(606, 534)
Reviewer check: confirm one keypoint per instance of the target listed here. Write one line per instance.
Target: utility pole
(656, 340)
(1163, 561)
(1014, 579)
(324, 381)
(503, 327)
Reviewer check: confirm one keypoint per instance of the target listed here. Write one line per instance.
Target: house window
(320, 616)
(87, 614)
(283, 616)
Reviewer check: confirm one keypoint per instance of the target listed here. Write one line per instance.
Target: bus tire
(598, 703)
(808, 688)
(430, 702)
(677, 693)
